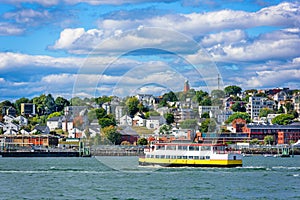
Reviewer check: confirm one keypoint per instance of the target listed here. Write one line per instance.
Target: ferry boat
(190, 154)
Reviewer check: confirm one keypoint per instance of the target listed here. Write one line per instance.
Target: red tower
(186, 87)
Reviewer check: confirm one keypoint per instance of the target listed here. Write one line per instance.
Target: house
(76, 133)
(72, 111)
(126, 121)
(129, 135)
(207, 109)
(163, 110)
(54, 123)
(154, 122)
(11, 128)
(40, 129)
(23, 121)
(119, 112)
(9, 110)
(8, 119)
(67, 124)
(138, 120)
(94, 128)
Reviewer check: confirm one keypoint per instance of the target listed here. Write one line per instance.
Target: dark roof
(128, 131)
(54, 119)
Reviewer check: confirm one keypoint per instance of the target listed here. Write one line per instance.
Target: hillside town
(230, 115)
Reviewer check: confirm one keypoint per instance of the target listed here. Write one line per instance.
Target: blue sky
(92, 48)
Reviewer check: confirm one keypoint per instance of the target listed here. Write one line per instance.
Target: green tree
(76, 101)
(49, 104)
(103, 99)
(100, 113)
(254, 141)
(189, 124)
(170, 96)
(268, 139)
(142, 141)
(265, 111)
(151, 113)
(237, 107)
(232, 90)
(208, 125)
(217, 94)
(205, 115)
(111, 133)
(283, 119)
(169, 118)
(165, 129)
(132, 105)
(106, 122)
(238, 115)
(18, 104)
(54, 114)
(61, 103)
(206, 101)
(200, 95)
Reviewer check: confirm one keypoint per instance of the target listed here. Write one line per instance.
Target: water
(104, 178)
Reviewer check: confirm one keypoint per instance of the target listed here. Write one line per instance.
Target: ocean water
(121, 178)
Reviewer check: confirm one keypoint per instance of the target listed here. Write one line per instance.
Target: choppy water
(121, 178)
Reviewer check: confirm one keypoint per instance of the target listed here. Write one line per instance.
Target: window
(167, 156)
(207, 157)
(184, 157)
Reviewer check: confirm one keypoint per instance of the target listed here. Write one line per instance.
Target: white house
(126, 121)
(138, 121)
(54, 123)
(67, 124)
(11, 126)
(8, 119)
(154, 122)
(22, 120)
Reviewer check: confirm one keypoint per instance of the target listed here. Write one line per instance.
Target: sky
(91, 48)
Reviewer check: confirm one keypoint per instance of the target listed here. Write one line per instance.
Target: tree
(103, 99)
(189, 124)
(268, 139)
(76, 101)
(217, 94)
(237, 107)
(265, 111)
(169, 118)
(142, 141)
(100, 113)
(232, 90)
(112, 134)
(206, 101)
(61, 103)
(254, 141)
(165, 129)
(170, 96)
(200, 95)
(151, 113)
(19, 102)
(132, 105)
(78, 122)
(283, 119)
(205, 115)
(54, 114)
(208, 125)
(106, 122)
(238, 115)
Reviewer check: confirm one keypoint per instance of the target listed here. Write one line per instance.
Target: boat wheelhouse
(190, 154)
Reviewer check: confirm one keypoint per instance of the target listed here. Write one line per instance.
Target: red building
(282, 134)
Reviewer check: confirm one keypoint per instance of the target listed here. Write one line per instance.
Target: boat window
(162, 156)
(205, 148)
(170, 147)
(160, 147)
(184, 148)
(184, 157)
(196, 148)
(191, 148)
(148, 156)
(196, 157)
(202, 158)
(179, 157)
(167, 157)
(207, 157)
(173, 157)
(152, 156)
(157, 156)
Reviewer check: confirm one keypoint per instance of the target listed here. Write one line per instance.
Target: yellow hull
(190, 162)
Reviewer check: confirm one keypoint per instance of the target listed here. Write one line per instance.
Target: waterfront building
(207, 109)
(290, 133)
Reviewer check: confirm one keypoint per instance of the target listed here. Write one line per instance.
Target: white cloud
(41, 2)
(10, 29)
(8, 60)
(27, 15)
(228, 37)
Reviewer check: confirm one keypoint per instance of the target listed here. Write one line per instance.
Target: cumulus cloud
(80, 41)
(27, 15)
